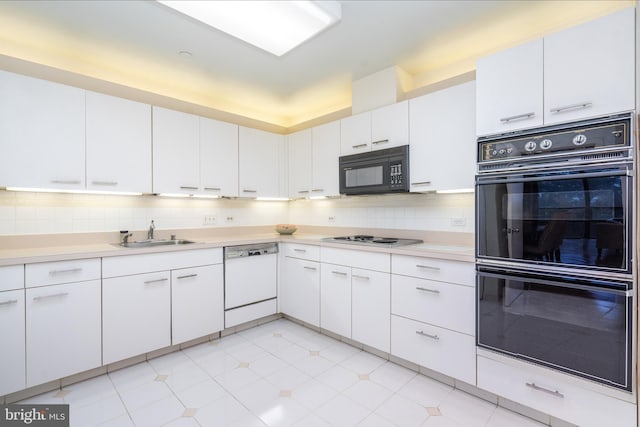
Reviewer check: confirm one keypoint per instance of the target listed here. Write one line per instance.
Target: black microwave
(375, 172)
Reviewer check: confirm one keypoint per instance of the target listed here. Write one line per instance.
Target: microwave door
(365, 178)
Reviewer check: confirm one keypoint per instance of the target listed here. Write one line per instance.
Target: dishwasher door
(249, 279)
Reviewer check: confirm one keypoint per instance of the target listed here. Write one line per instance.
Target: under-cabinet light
(62, 190)
(194, 196)
(457, 191)
(272, 199)
(274, 26)
(317, 197)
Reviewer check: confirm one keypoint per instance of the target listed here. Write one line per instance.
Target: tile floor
(276, 374)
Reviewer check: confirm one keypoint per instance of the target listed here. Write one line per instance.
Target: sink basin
(155, 242)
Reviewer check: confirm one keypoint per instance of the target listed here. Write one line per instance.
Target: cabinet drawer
(359, 259)
(442, 350)
(295, 250)
(547, 391)
(146, 263)
(53, 273)
(443, 304)
(11, 277)
(462, 273)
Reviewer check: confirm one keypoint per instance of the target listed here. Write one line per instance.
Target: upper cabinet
(442, 153)
(300, 164)
(118, 144)
(582, 72)
(263, 166)
(193, 155)
(42, 134)
(383, 127)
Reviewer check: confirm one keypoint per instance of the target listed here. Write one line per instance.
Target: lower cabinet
(335, 299)
(370, 308)
(62, 330)
(12, 355)
(300, 283)
(136, 313)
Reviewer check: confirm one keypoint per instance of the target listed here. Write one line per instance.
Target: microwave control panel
(395, 172)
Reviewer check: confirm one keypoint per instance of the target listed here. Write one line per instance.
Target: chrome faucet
(152, 227)
(124, 237)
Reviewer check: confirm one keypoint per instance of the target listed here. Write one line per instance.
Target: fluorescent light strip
(184, 196)
(59, 190)
(458, 191)
(274, 26)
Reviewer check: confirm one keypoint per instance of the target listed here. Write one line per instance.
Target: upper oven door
(573, 218)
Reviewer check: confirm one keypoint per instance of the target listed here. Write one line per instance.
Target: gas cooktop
(363, 239)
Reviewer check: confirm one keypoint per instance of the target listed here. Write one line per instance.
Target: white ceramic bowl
(286, 228)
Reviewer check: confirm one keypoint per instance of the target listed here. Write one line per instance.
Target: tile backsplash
(52, 213)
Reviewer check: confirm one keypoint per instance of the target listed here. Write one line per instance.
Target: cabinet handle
(578, 106)
(359, 145)
(299, 250)
(9, 302)
(433, 291)
(339, 273)
(212, 188)
(421, 183)
(150, 282)
(546, 390)
(67, 271)
(310, 268)
(188, 187)
(517, 117)
(381, 141)
(248, 191)
(61, 294)
(186, 276)
(303, 191)
(66, 181)
(105, 183)
(360, 277)
(317, 190)
(424, 334)
(428, 267)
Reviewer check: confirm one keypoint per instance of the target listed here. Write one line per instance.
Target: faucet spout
(152, 227)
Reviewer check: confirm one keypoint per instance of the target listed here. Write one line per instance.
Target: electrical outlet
(229, 219)
(459, 222)
(332, 218)
(209, 220)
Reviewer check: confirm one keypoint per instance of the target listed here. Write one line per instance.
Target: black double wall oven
(554, 247)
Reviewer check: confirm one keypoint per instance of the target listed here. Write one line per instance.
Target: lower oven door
(576, 325)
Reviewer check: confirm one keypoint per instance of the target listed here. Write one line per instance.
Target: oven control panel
(573, 140)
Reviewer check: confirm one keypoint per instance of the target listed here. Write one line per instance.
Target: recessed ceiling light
(274, 26)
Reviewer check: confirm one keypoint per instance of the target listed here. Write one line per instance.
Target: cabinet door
(42, 133)
(390, 126)
(300, 164)
(589, 70)
(442, 132)
(300, 290)
(325, 154)
(136, 315)
(197, 298)
(355, 134)
(218, 158)
(176, 152)
(118, 144)
(335, 299)
(261, 160)
(509, 89)
(12, 356)
(62, 330)
(371, 308)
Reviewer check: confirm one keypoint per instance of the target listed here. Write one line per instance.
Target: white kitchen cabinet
(300, 164)
(442, 153)
(299, 295)
(262, 160)
(384, 127)
(335, 299)
(197, 302)
(42, 134)
(218, 158)
(370, 308)
(118, 144)
(12, 329)
(136, 315)
(62, 330)
(584, 71)
(325, 154)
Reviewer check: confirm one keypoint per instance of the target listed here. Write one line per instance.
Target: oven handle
(608, 173)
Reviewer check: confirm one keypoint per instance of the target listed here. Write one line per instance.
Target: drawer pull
(212, 188)
(188, 187)
(66, 181)
(303, 191)
(317, 190)
(105, 183)
(433, 291)
(246, 190)
(359, 145)
(61, 294)
(150, 282)
(578, 106)
(360, 277)
(310, 268)
(188, 276)
(67, 271)
(428, 267)
(9, 302)
(299, 250)
(421, 183)
(424, 334)
(382, 141)
(517, 117)
(339, 273)
(546, 390)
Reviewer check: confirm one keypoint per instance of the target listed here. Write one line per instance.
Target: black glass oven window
(580, 331)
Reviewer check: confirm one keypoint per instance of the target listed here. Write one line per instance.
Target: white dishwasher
(250, 282)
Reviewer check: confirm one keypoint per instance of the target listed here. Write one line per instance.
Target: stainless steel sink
(155, 242)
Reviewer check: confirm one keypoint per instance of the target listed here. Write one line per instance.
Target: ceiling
(138, 44)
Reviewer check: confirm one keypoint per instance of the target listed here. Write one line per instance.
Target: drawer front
(462, 273)
(126, 265)
(11, 277)
(442, 350)
(376, 261)
(54, 273)
(295, 250)
(442, 304)
(546, 391)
